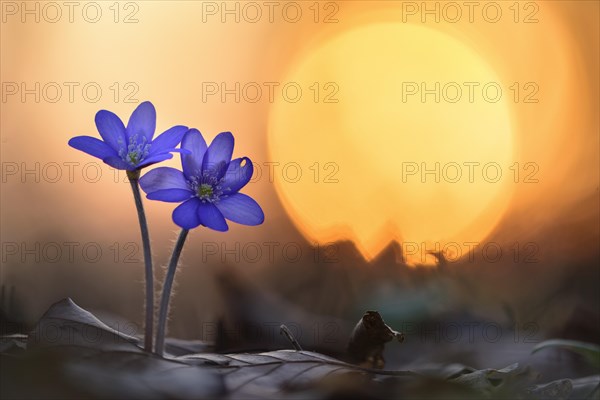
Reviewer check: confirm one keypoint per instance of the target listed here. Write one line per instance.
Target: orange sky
(170, 55)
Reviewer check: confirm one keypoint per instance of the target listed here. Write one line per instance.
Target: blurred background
(363, 120)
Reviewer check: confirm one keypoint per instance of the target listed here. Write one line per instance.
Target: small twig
(284, 330)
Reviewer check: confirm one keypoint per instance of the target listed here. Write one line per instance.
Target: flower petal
(118, 163)
(211, 217)
(186, 214)
(241, 209)
(171, 195)
(111, 129)
(168, 140)
(163, 178)
(153, 159)
(182, 151)
(219, 151)
(92, 146)
(142, 122)
(238, 174)
(192, 163)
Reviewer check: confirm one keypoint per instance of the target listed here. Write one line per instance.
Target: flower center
(207, 187)
(133, 157)
(205, 191)
(135, 152)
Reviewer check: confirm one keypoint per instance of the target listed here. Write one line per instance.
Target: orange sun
(402, 136)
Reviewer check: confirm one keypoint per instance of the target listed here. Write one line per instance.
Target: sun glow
(406, 137)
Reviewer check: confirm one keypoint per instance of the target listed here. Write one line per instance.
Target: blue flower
(208, 186)
(130, 148)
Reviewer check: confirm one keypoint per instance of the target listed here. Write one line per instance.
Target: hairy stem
(166, 293)
(149, 273)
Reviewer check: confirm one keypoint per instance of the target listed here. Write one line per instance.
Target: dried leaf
(181, 347)
(87, 358)
(65, 323)
(586, 388)
(590, 351)
(488, 380)
(556, 390)
(13, 343)
(444, 371)
(72, 354)
(273, 373)
(141, 376)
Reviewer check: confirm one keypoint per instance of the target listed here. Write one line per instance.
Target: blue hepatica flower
(208, 186)
(130, 148)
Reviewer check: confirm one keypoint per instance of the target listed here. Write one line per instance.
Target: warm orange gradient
(171, 52)
(542, 120)
(393, 161)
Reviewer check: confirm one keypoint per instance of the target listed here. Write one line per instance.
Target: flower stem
(149, 323)
(166, 293)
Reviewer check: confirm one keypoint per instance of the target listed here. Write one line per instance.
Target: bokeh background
(327, 250)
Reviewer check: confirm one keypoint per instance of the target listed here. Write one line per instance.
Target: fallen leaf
(556, 390)
(65, 323)
(276, 372)
(85, 357)
(590, 351)
(490, 380)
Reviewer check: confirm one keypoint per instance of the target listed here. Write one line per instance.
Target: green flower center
(205, 191)
(133, 157)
